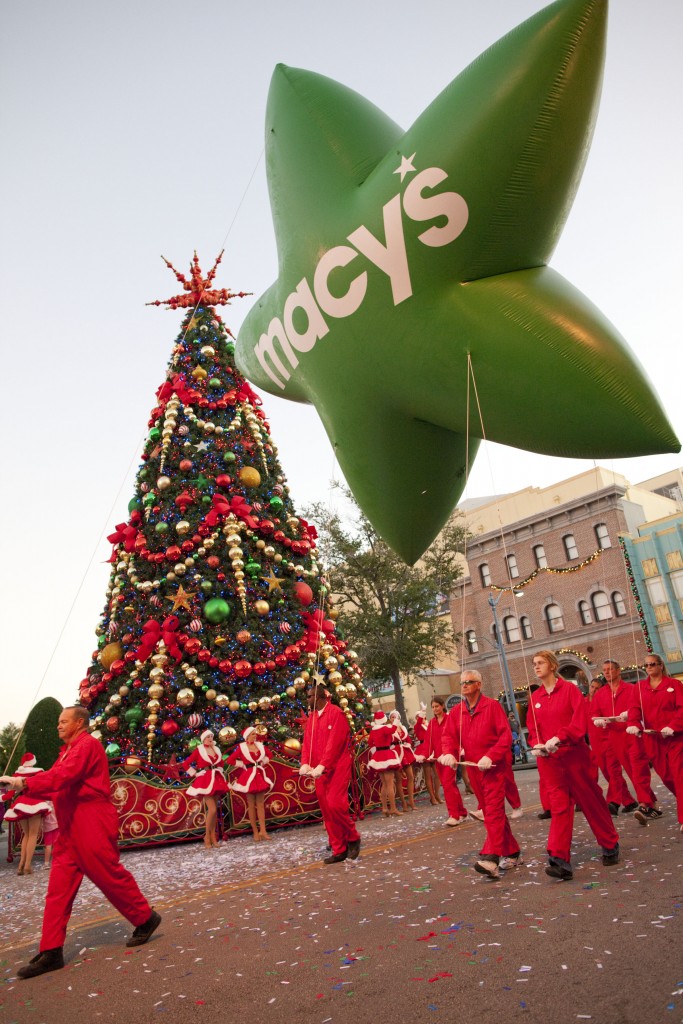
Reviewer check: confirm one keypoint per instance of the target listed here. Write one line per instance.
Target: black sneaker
(48, 960)
(645, 814)
(336, 858)
(144, 932)
(353, 849)
(610, 857)
(629, 808)
(613, 808)
(554, 870)
(544, 815)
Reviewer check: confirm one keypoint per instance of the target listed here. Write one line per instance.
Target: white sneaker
(517, 812)
(487, 867)
(455, 821)
(479, 815)
(508, 863)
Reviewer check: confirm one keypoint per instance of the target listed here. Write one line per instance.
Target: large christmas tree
(217, 613)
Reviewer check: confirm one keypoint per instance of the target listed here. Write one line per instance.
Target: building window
(471, 638)
(677, 583)
(674, 560)
(618, 604)
(650, 567)
(513, 571)
(662, 613)
(601, 606)
(669, 644)
(511, 629)
(525, 623)
(656, 591)
(570, 547)
(553, 615)
(540, 556)
(485, 574)
(602, 536)
(585, 613)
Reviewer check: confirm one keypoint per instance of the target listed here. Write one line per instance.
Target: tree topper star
(395, 300)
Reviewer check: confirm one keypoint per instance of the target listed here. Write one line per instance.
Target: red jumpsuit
(568, 773)
(327, 742)
(485, 731)
(655, 708)
(434, 741)
(612, 746)
(78, 785)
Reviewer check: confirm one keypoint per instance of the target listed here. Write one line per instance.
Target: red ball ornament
(265, 526)
(225, 665)
(271, 666)
(303, 592)
(213, 661)
(169, 728)
(213, 561)
(243, 636)
(192, 646)
(280, 660)
(204, 655)
(112, 723)
(260, 668)
(242, 669)
(173, 553)
(223, 480)
(185, 465)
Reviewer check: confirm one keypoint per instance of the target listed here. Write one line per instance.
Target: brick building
(550, 560)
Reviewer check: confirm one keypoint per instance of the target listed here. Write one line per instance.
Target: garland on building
(636, 596)
(554, 571)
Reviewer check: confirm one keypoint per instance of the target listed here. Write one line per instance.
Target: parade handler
(78, 785)
(326, 757)
(477, 731)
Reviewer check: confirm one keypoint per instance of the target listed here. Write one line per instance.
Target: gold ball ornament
(156, 674)
(131, 764)
(222, 701)
(163, 483)
(334, 678)
(153, 705)
(116, 699)
(109, 654)
(211, 695)
(291, 691)
(252, 705)
(124, 690)
(227, 736)
(261, 608)
(292, 746)
(331, 662)
(182, 527)
(185, 698)
(233, 705)
(155, 691)
(249, 476)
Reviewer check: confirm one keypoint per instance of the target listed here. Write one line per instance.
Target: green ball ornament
(161, 528)
(112, 750)
(215, 382)
(206, 499)
(276, 504)
(154, 434)
(193, 744)
(134, 504)
(206, 586)
(101, 641)
(230, 348)
(253, 568)
(134, 715)
(216, 610)
(229, 457)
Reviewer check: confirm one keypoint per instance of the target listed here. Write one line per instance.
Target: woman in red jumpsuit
(557, 731)
(454, 805)
(655, 721)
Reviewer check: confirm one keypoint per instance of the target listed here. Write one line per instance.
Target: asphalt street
(409, 932)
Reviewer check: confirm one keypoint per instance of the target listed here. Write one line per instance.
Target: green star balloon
(414, 307)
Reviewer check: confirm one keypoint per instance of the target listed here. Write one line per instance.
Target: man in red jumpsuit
(78, 785)
(557, 731)
(612, 744)
(655, 721)
(326, 757)
(477, 730)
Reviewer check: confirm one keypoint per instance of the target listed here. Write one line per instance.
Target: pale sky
(136, 128)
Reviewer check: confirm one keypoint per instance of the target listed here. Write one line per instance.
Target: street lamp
(505, 670)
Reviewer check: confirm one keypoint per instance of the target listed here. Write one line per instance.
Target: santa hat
(379, 718)
(395, 714)
(247, 732)
(28, 760)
